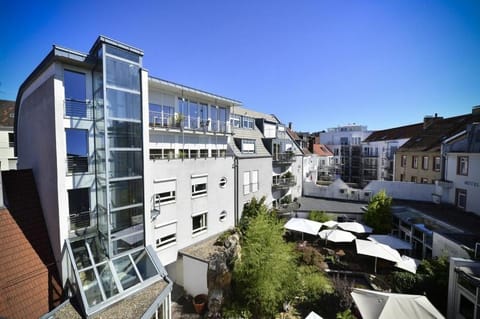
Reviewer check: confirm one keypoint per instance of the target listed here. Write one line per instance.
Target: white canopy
(303, 225)
(391, 241)
(383, 305)
(377, 250)
(336, 235)
(330, 223)
(313, 315)
(355, 227)
(408, 264)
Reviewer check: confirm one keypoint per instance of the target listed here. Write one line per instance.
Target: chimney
(429, 120)
(290, 125)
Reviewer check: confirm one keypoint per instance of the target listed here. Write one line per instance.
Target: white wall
(194, 276)
(403, 190)
(7, 159)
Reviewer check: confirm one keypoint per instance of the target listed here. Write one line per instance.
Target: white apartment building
(7, 155)
(131, 170)
(460, 184)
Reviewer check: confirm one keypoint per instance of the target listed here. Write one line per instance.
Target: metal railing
(78, 109)
(283, 182)
(287, 157)
(162, 120)
(77, 164)
(81, 220)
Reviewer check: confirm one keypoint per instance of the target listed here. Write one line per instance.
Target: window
(254, 181)
(77, 150)
(235, 120)
(247, 122)
(223, 216)
(199, 223)
(466, 308)
(461, 198)
(425, 162)
(11, 139)
(414, 161)
(75, 94)
(194, 153)
(166, 234)
(199, 185)
(413, 179)
(402, 177)
(246, 183)
(436, 163)
(204, 153)
(79, 208)
(424, 180)
(462, 165)
(165, 191)
(248, 146)
(223, 182)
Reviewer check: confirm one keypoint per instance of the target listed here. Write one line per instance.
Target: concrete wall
(38, 147)
(217, 200)
(403, 190)
(444, 246)
(195, 276)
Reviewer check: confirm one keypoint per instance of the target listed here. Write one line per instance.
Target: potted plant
(199, 303)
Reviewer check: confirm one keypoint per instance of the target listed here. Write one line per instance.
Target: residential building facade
(7, 139)
(378, 152)
(345, 143)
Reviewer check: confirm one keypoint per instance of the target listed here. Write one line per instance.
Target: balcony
(283, 182)
(78, 109)
(77, 164)
(287, 157)
(180, 121)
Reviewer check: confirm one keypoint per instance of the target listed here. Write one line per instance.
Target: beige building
(419, 159)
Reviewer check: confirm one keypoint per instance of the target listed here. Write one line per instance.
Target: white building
(460, 184)
(463, 289)
(7, 140)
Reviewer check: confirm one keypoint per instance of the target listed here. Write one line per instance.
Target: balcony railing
(287, 157)
(163, 120)
(77, 164)
(82, 220)
(78, 109)
(283, 182)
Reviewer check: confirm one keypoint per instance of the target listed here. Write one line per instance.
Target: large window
(414, 161)
(461, 198)
(436, 163)
(77, 150)
(248, 146)
(246, 183)
(425, 162)
(75, 94)
(462, 165)
(199, 222)
(164, 192)
(166, 234)
(199, 185)
(79, 208)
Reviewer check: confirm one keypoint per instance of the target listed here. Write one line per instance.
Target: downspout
(235, 190)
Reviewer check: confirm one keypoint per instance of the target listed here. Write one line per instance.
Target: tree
(250, 211)
(319, 216)
(379, 215)
(265, 274)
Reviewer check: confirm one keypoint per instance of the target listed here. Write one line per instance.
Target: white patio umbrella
(391, 241)
(330, 223)
(303, 225)
(377, 250)
(383, 305)
(408, 264)
(355, 227)
(336, 235)
(313, 315)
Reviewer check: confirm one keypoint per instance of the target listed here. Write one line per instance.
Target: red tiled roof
(322, 150)
(29, 285)
(395, 133)
(7, 113)
(293, 134)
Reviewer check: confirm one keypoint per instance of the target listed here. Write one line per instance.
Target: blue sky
(315, 63)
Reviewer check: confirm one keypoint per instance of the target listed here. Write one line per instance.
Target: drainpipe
(235, 190)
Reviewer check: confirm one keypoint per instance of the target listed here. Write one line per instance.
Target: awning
(355, 227)
(408, 264)
(391, 241)
(377, 250)
(303, 225)
(337, 235)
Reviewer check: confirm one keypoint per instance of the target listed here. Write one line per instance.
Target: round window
(223, 182)
(223, 216)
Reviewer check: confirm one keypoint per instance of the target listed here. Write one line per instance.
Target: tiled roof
(430, 138)
(29, 285)
(255, 134)
(238, 110)
(293, 134)
(7, 112)
(395, 133)
(321, 150)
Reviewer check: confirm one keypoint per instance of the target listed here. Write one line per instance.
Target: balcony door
(79, 208)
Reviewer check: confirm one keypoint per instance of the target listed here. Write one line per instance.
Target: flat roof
(308, 204)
